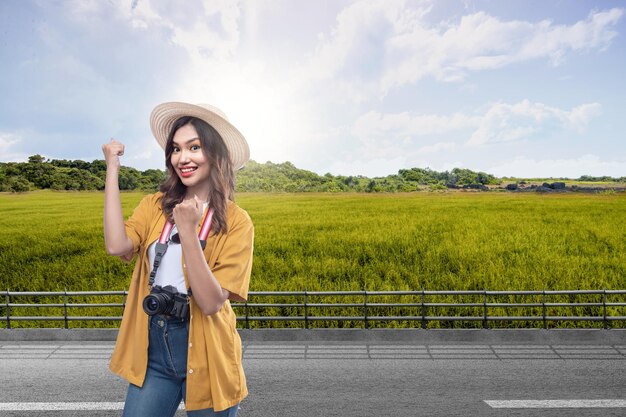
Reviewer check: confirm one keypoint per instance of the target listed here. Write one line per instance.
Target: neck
(203, 193)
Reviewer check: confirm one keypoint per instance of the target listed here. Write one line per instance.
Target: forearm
(115, 238)
(207, 291)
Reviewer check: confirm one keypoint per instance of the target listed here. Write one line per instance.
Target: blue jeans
(165, 384)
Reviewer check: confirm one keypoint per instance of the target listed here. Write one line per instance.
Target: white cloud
(381, 133)
(358, 39)
(211, 33)
(146, 151)
(7, 142)
(207, 32)
(571, 168)
(480, 41)
(508, 122)
(580, 116)
(353, 55)
(436, 148)
(397, 45)
(374, 125)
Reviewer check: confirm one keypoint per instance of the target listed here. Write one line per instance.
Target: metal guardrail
(420, 308)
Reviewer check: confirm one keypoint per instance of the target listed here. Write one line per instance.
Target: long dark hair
(221, 173)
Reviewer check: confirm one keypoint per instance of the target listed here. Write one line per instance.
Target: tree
(18, 185)
(151, 179)
(36, 159)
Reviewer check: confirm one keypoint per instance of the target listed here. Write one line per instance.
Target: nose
(184, 156)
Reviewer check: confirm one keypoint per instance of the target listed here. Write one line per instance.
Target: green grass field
(329, 242)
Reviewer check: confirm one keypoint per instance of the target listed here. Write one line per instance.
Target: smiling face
(189, 161)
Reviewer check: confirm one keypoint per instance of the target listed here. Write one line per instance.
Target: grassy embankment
(327, 242)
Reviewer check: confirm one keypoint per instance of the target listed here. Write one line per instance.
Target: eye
(175, 149)
(195, 147)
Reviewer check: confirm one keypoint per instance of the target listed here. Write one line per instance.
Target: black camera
(166, 300)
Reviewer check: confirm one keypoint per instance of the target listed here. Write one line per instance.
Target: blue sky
(514, 88)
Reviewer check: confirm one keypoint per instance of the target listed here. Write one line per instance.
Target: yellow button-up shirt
(215, 377)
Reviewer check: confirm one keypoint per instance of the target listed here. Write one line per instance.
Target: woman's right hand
(112, 152)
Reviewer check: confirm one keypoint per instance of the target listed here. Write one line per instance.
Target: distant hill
(42, 173)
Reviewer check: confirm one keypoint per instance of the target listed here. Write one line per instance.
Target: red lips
(186, 174)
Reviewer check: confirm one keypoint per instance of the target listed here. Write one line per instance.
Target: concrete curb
(75, 335)
(479, 336)
(465, 336)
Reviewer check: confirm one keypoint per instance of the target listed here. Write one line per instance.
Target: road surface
(343, 379)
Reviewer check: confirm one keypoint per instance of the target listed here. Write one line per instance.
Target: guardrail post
(247, 314)
(485, 325)
(424, 323)
(365, 309)
(606, 322)
(124, 295)
(306, 309)
(543, 306)
(65, 308)
(8, 301)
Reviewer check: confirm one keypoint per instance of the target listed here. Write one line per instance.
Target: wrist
(185, 231)
(113, 169)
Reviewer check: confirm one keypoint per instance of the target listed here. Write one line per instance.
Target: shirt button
(191, 371)
(189, 344)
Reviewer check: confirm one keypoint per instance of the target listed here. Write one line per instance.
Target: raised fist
(112, 152)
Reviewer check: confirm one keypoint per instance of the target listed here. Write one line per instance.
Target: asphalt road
(344, 379)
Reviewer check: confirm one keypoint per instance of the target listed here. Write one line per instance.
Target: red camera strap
(202, 235)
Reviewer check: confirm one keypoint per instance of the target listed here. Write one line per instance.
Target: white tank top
(170, 270)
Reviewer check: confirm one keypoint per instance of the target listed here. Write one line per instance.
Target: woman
(188, 349)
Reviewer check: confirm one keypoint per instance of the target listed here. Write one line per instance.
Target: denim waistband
(168, 318)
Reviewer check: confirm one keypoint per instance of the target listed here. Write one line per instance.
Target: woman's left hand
(187, 215)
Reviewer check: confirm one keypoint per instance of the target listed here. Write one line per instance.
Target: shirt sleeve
(137, 226)
(234, 263)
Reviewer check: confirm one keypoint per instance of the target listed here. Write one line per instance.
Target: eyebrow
(188, 141)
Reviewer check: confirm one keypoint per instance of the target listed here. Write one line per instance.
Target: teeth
(186, 170)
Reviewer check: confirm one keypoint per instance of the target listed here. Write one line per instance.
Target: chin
(186, 182)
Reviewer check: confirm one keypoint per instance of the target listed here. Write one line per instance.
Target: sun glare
(266, 117)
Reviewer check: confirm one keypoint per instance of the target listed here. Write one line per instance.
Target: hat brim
(165, 115)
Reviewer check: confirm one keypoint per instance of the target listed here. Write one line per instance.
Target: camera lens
(151, 304)
(161, 300)
(155, 304)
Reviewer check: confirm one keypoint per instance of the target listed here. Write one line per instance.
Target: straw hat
(164, 115)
